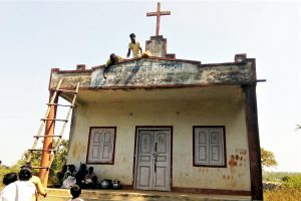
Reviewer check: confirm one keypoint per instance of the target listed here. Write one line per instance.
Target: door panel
(162, 160)
(144, 177)
(145, 167)
(153, 159)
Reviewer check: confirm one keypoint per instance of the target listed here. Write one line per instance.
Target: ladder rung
(43, 136)
(40, 167)
(55, 120)
(67, 91)
(41, 150)
(62, 105)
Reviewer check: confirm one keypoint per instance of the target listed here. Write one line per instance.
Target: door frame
(136, 151)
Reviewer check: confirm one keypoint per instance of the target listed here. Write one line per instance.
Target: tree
(267, 158)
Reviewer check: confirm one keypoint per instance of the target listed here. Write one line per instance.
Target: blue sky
(36, 36)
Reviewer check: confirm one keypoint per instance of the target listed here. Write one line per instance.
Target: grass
(290, 189)
(282, 194)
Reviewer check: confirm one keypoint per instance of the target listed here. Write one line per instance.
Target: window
(209, 146)
(101, 145)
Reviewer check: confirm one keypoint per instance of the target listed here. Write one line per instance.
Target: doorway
(153, 158)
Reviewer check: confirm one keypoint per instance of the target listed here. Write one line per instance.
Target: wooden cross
(158, 15)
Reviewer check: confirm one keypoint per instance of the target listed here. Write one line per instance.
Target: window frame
(110, 162)
(223, 147)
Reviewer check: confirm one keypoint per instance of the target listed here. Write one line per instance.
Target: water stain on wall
(237, 160)
(203, 170)
(233, 162)
(78, 150)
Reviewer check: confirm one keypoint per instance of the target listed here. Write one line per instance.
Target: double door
(153, 150)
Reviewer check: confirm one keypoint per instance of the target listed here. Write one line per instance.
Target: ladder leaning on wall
(39, 136)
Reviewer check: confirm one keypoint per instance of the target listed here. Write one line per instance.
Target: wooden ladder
(43, 122)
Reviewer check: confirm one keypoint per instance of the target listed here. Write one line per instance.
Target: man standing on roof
(134, 46)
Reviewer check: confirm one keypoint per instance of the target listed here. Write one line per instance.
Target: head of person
(90, 170)
(133, 37)
(75, 191)
(83, 166)
(25, 174)
(10, 178)
(113, 58)
(27, 165)
(71, 168)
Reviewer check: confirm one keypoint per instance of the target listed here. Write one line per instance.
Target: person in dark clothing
(80, 175)
(60, 176)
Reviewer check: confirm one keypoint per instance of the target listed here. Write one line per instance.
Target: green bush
(292, 182)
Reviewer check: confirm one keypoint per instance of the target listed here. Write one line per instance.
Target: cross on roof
(158, 14)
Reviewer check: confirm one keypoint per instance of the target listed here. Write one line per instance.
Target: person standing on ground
(10, 178)
(7, 180)
(40, 190)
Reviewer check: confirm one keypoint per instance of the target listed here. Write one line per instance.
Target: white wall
(182, 115)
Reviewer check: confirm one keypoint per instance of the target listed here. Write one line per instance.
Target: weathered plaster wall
(153, 72)
(182, 115)
(237, 174)
(70, 79)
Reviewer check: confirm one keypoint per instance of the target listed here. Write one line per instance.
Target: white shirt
(18, 191)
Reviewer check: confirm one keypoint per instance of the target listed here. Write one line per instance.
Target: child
(75, 191)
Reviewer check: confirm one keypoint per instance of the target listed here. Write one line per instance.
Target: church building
(162, 123)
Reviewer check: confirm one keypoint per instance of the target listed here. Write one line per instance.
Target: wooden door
(153, 159)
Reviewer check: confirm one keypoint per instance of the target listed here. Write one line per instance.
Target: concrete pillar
(253, 142)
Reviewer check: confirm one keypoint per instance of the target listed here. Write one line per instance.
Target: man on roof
(114, 59)
(134, 47)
